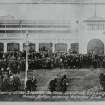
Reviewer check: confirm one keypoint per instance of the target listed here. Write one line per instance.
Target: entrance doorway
(95, 46)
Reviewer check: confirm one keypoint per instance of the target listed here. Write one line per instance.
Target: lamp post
(26, 58)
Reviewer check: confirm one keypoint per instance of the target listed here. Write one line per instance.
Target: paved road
(47, 96)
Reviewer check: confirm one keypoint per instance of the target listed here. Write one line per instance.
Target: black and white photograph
(52, 50)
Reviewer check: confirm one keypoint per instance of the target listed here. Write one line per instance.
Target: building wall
(79, 34)
(71, 15)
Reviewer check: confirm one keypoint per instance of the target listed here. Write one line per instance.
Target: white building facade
(65, 31)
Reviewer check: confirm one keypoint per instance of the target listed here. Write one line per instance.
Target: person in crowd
(52, 85)
(5, 86)
(64, 84)
(34, 82)
(11, 83)
(16, 83)
(102, 80)
(29, 85)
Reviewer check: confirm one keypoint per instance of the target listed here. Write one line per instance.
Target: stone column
(53, 47)
(5, 47)
(21, 46)
(82, 47)
(37, 46)
(68, 46)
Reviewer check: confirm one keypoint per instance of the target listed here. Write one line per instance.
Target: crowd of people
(13, 63)
(12, 82)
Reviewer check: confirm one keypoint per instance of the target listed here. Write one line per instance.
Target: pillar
(5, 47)
(83, 47)
(53, 47)
(68, 46)
(21, 46)
(37, 46)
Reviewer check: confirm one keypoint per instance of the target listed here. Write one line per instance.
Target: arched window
(95, 46)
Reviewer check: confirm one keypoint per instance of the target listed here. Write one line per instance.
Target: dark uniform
(29, 85)
(34, 84)
(102, 80)
(52, 85)
(64, 84)
(16, 83)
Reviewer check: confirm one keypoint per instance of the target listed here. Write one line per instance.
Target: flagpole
(26, 59)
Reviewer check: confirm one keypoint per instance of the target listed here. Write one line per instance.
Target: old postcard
(52, 50)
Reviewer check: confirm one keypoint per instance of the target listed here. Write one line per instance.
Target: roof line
(37, 3)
